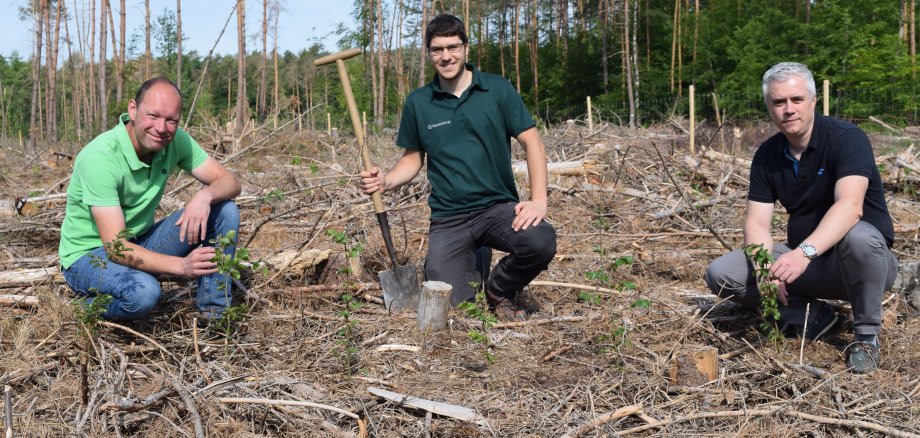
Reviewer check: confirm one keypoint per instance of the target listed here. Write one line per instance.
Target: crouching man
(461, 123)
(839, 231)
(109, 242)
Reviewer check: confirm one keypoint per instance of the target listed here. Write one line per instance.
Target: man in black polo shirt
(462, 122)
(839, 233)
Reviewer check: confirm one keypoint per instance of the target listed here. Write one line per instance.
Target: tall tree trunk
(535, 53)
(603, 9)
(263, 67)
(381, 63)
(75, 81)
(635, 58)
(676, 23)
(913, 39)
(242, 113)
(91, 78)
(120, 74)
(400, 72)
(517, 46)
(627, 59)
(368, 27)
(277, 83)
(696, 37)
(55, 48)
(178, 44)
(38, 9)
(422, 46)
(147, 54)
(680, 54)
(103, 96)
(503, 13)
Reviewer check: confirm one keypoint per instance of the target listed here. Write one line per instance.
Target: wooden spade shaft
(339, 58)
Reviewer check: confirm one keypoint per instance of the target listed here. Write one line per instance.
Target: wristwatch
(809, 251)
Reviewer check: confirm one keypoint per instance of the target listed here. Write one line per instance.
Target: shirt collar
(476, 82)
(124, 141)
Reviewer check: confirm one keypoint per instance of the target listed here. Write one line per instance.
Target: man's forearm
(835, 224)
(223, 188)
(402, 172)
(143, 259)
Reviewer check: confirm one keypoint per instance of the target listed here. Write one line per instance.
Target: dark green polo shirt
(467, 141)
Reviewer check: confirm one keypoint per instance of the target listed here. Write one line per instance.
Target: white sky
(302, 22)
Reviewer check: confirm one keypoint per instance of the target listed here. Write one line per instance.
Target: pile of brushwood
(623, 339)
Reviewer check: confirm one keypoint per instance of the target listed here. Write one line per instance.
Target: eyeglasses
(437, 52)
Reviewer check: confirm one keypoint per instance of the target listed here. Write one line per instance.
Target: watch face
(809, 250)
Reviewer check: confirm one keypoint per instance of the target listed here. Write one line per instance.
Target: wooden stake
(8, 410)
(434, 306)
(590, 118)
(827, 97)
(692, 119)
(715, 103)
(329, 124)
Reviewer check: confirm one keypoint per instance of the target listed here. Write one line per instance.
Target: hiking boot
(862, 357)
(817, 327)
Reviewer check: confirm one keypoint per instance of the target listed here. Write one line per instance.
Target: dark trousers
(858, 269)
(459, 254)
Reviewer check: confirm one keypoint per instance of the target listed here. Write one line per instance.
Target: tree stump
(694, 366)
(434, 306)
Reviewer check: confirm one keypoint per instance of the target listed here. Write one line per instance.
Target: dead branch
(266, 401)
(22, 301)
(445, 409)
(601, 420)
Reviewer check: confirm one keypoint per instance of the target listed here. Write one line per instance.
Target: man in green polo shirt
(109, 242)
(462, 122)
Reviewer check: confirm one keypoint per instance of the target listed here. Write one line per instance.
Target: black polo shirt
(467, 141)
(806, 188)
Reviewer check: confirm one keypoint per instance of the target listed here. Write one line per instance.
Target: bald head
(162, 84)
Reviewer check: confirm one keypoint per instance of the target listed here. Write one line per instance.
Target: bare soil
(585, 352)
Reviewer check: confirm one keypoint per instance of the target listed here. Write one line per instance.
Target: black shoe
(817, 327)
(862, 357)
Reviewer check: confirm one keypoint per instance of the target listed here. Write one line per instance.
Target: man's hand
(781, 294)
(789, 266)
(193, 223)
(198, 262)
(528, 213)
(372, 181)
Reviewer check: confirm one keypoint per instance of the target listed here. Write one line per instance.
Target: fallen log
(562, 168)
(29, 277)
(22, 301)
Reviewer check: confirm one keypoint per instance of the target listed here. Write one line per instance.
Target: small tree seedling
(768, 305)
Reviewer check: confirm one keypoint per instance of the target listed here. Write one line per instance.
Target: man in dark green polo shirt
(462, 122)
(117, 182)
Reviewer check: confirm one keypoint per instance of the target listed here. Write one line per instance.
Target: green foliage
(588, 298)
(479, 310)
(88, 311)
(768, 289)
(348, 347)
(231, 267)
(274, 195)
(352, 247)
(230, 320)
(641, 303)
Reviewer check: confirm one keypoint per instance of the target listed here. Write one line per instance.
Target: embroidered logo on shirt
(163, 171)
(438, 125)
(821, 171)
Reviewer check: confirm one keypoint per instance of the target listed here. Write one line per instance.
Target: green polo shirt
(107, 173)
(467, 141)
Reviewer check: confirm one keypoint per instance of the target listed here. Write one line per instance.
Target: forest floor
(594, 359)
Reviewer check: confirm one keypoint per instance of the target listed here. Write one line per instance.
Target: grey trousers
(858, 269)
(459, 252)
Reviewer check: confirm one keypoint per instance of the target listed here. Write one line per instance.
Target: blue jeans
(135, 293)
